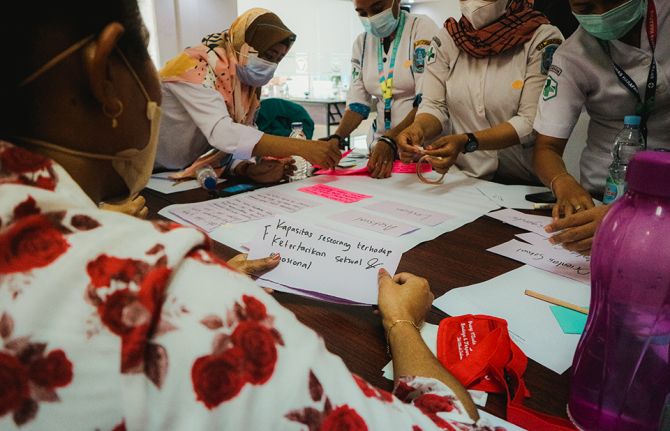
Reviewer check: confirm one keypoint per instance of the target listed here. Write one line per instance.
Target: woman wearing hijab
(388, 62)
(211, 95)
(110, 322)
(484, 76)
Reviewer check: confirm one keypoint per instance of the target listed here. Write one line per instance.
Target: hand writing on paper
(403, 297)
(255, 267)
(410, 143)
(575, 232)
(267, 171)
(134, 207)
(444, 152)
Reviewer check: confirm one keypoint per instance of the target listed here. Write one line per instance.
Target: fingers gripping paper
(324, 261)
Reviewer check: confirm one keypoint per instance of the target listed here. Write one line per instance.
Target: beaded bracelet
(388, 332)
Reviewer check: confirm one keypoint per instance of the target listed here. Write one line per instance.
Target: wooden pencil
(556, 301)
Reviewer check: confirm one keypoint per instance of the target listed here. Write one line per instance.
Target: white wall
(182, 23)
(438, 10)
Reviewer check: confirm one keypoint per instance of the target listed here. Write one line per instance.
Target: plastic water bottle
(621, 370)
(303, 168)
(207, 178)
(626, 144)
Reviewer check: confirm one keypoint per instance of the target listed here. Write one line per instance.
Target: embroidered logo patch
(547, 58)
(420, 54)
(550, 89)
(548, 42)
(555, 69)
(355, 73)
(431, 55)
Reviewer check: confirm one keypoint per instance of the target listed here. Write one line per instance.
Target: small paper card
(529, 222)
(548, 258)
(374, 223)
(334, 193)
(410, 213)
(570, 321)
(324, 261)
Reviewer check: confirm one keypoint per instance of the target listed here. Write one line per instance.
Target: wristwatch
(472, 144)
(335, 136)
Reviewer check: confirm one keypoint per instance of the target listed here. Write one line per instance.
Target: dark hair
(26, 25)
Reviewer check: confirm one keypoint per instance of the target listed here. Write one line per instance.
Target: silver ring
(578, 207)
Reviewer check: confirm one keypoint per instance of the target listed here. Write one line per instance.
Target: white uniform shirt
(582, 76)
(409, 69)
(194, 120)
(468, 94)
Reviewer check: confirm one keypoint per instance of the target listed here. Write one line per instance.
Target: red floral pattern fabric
(113, 323)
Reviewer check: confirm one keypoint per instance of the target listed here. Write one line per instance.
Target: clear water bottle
(621, 370)
(626, 144)
(207, 178)
(303, 168)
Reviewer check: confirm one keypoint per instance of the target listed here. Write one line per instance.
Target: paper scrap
(163, 184)
(410, 213)
(324, 261)
(571, 321)
(334, 193)
(509, 196)
(529, 222)
(373, 222)
(549, 258)
(209, 215)
(533, 238)
(410, 168)
(532, 325)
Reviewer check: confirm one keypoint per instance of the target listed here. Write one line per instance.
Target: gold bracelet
(388, 332)
(551, 184)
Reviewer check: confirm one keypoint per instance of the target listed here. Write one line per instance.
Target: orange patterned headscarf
(514, 28)
(213, 65)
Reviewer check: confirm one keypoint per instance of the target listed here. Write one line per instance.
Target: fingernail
(548, 229)
(274, 256)
(552, 241)
(383, 271)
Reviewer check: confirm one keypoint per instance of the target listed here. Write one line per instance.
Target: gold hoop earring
(113, 115)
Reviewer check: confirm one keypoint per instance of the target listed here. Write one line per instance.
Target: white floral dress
(110, 323)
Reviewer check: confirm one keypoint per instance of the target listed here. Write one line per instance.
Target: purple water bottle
(621, 370)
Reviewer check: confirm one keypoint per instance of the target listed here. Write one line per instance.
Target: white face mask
(481, 13)
(381, 25)
(256, 72)
(133, 166)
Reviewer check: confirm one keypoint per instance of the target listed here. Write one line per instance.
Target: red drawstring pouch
(479, 352)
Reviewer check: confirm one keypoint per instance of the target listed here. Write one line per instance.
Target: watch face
(471, 146)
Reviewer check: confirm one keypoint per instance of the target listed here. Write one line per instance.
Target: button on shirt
(468, 94)
(409, 70)
(582, 75)
(194, 120)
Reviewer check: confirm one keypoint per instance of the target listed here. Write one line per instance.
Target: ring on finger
(578, 208)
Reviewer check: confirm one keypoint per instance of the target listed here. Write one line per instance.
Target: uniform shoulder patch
(437, 41)
(550, 89)
(431, 54)
(547, 42)
(421, 42)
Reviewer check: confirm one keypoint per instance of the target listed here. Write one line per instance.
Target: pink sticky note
(333, 193)
(410, 168)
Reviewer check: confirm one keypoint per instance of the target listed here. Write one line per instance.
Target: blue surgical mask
(616, 23)
(257, 72)
(381, 25)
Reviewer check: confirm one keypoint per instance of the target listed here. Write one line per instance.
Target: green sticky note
(572, 322)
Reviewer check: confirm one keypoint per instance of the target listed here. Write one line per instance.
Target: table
(334, 109)
(455, 259)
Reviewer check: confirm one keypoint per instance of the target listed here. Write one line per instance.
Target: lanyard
(643, 109)
(386, 82)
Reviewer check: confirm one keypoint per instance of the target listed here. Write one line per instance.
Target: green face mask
(614, 24)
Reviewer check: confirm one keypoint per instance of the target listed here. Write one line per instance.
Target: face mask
(616, 23)
(381, 25)
(481, 13)
(257, 72)
(132, 165)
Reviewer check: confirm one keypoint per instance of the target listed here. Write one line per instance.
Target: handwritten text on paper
(324, 261)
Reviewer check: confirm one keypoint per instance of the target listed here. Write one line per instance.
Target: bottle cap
(209, 183)
(632, 120)
(649, 173)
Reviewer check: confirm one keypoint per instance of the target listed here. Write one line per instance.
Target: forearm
(430, 125)
(548, 158)
(350, 121)
(411, 357)
(405, 123)
(497, 138)
(277, 146)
